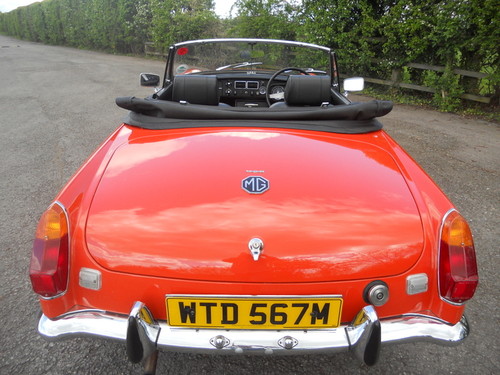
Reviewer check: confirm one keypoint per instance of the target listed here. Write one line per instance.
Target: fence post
(396, 78)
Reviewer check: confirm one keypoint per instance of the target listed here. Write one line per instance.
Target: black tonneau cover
(352, 118)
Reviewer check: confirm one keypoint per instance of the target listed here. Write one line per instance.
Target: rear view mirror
(150, 79)
(354, 84)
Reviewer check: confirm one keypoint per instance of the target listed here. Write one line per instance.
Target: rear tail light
(458, 276)
(50, 257)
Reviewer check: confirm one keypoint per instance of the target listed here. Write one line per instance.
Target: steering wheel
(268, 87)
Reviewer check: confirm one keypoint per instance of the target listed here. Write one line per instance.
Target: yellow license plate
(254, 312)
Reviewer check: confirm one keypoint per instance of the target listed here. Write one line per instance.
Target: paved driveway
(57, 106)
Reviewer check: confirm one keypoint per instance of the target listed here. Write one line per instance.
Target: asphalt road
(57, 106)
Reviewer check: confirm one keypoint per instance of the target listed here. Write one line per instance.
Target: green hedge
(455, 34)
(114, 25)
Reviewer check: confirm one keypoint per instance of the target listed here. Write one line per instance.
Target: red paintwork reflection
(336, 209)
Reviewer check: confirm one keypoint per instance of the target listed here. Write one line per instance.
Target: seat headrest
(303, 90)
(197, 89)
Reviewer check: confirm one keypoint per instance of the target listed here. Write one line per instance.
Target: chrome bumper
(143, 335)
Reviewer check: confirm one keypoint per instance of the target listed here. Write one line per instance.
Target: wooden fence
(396, 77)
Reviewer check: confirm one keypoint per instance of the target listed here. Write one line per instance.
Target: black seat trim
(307, 90)
(195, 89)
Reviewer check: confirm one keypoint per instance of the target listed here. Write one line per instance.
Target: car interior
(289, 97)
(257, 91)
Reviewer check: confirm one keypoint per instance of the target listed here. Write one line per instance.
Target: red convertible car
(248, 206)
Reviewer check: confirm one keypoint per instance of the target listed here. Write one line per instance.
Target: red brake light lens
(458, 277)
(50, 257)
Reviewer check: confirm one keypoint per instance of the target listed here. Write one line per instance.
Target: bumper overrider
(144, 335)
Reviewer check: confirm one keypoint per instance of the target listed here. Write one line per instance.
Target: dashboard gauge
(277, 90)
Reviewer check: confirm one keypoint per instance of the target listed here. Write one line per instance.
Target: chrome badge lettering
(255, 185)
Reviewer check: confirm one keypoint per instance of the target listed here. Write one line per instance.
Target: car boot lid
(245, 206)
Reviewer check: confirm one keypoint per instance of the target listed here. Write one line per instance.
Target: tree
(180, 20)
(273, 19)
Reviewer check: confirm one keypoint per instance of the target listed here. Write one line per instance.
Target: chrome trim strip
(252, 40)
(78, 312)
(406, 328)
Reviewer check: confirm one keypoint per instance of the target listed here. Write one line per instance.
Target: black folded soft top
(354, 118)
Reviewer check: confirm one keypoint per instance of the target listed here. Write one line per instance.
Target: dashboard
(249, 92)
(236, 90)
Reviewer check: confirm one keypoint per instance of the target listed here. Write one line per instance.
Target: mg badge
(256, 246)
(255, 184)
